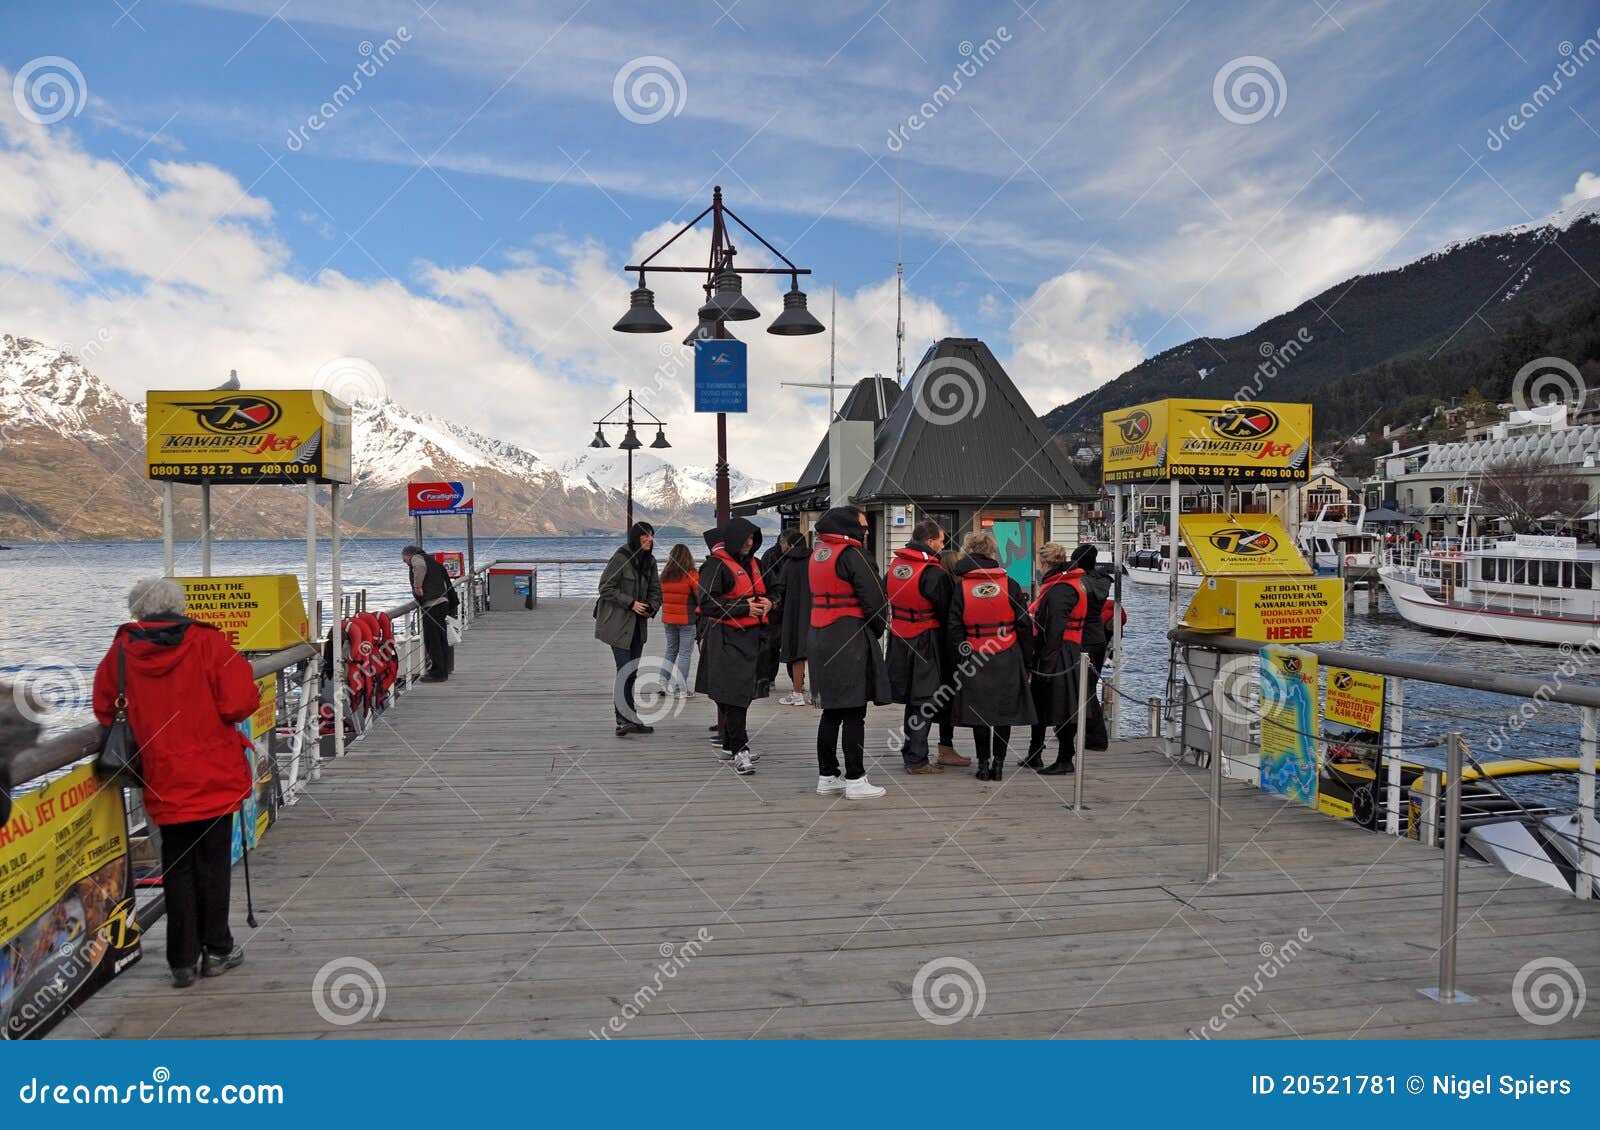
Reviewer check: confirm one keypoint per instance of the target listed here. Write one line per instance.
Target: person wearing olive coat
(630, 594)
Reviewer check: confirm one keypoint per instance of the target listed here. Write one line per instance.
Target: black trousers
(990, 743)
(1094, 726)
(914, 733)
(734, 722)
(196, 860)
(851, 721)
(1066, 739)
(434, 641)
(623, 703)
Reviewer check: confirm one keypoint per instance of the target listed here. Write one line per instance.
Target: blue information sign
(720, 376)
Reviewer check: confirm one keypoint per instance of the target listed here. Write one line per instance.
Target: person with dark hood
(630, 594)
(848, 611)
(919, 600)
(795, 569)
(1096, 638)
(991, 637)
(431, 586)
(1058, 613)
(734, 605)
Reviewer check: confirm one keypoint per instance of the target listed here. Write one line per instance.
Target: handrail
(1451, 676)
(62, 750)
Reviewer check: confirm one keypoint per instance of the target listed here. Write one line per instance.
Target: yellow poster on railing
(1354, 698)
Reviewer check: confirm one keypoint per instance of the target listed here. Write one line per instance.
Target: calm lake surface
(62, 602)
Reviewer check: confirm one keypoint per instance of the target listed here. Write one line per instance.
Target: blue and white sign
(720, 377)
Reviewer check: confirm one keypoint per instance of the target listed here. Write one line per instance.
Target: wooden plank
(511, 868)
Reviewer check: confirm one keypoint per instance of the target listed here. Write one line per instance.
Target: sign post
(721, 376)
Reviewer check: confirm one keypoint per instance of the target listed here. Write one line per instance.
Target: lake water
(62, 602)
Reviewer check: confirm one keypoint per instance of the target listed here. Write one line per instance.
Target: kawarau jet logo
(1344, 680)
(235, 415)
(1290, 664)
(1243, 542)
(823, 553)
(986, 590)
(903, 572)
(1135, 426)
(1243, 421)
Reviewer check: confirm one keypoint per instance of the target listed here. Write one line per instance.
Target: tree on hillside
(1528, 494)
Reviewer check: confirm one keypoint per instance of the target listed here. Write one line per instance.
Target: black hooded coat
(795, 573)
(990, 690)
(844, 661)
(917, 665)
(1055, 665)
(729, 655)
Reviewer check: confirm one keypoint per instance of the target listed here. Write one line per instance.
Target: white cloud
(1587, 188)
(1071, 336)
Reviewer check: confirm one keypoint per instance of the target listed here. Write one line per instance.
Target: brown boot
(949, 756)
(925, 767)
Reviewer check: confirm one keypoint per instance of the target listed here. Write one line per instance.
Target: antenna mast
(833, 336)
(899, 283)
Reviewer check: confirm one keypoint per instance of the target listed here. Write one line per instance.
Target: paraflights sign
(233, 436)
(424, 499)
(1207, 441)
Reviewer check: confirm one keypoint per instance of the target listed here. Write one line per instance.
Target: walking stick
(249, 900)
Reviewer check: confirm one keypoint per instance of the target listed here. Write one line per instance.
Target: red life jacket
(747, 583)
(832, 597)
(987, 617)
(912, 613)
(1109, 609)
(1073, 632)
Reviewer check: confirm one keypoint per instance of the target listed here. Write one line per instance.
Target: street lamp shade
(728, 298)
(707, 329)
(630, 442)
(796, 320)
(661, 438)
(599, 439)
(642, 316)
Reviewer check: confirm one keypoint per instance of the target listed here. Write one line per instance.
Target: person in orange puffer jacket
(680, 592)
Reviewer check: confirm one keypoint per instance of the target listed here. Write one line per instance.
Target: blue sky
(1094, 192)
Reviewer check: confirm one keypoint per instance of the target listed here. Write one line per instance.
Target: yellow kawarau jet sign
(1207, 441)
(1257, 586)
(232, 436)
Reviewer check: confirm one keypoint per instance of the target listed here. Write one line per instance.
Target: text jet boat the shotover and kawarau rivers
(1531, 588)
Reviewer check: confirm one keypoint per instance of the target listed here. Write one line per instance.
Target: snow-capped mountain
(72, 467)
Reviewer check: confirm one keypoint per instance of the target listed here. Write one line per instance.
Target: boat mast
(899, 286)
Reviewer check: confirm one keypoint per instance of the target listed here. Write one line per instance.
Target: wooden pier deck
(511, 869)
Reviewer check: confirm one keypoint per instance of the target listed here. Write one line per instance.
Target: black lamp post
(630, 438)
(725, 302)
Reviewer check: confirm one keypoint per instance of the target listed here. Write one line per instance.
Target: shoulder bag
(119, 749)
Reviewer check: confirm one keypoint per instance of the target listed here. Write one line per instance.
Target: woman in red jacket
(186, 689)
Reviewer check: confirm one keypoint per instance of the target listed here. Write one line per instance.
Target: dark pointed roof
(963, 431)
(862, 403)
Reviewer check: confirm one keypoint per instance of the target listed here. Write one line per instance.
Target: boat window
(1566, 574)
(1582, 575)
(1519, 572)
(1552, 574)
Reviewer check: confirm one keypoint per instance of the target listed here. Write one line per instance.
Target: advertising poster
(66, 901)
(1355, 698)
(1289, 723)
(424, 499)
(259, 613)
(231, 436)
(1207, 441)
(260, 809)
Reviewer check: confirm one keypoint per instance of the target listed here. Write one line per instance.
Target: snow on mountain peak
(45, 386)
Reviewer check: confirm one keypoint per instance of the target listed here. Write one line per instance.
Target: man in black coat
(772, 630)
(919, 601)
(1096, 638)
(848, 612)
(794, 569)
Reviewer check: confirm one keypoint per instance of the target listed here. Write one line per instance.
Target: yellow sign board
(1246, 545)
(1285, 610)
(231, 436)
(256, 613)
(1355, 698)
(1289, 763)
(1207, 441)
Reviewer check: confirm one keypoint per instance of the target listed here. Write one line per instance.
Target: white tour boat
(1332, 547)
(1151, 567)
(1531, 588)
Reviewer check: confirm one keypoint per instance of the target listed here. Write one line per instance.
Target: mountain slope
(72, 468)
(1450, 303)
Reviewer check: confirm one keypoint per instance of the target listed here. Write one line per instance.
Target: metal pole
(472, 574)
(1214, 823)
(1588, 861)
(1154, 721)
(167, 551)
(314, 635)
(724, 502)
(419, 531)
(1450, 901)
(1113, 717)
(338, 623)
(1394, 732)
(1175, 492)
(205, 527)
(1083, 721)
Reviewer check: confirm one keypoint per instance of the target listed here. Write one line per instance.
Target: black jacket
(794, 576)
(918, 666)
(730, 656)
(1055, 665)
(990, 690)
(844, 661)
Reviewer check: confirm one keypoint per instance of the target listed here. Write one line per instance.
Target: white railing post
(1083, 720)
(1450, 899)
(1214, 817)
(1588, 859)
(1394, 718)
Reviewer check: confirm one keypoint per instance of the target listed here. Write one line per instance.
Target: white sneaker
(742, 763)
(753, 755)
(793, 698)
(862, 789)
(828, 786)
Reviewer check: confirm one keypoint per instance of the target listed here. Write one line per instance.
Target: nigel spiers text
(1516, 1086)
